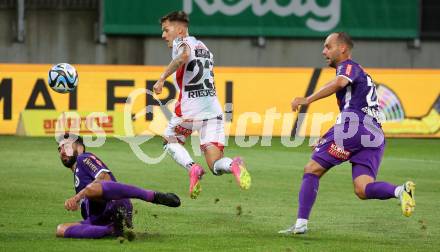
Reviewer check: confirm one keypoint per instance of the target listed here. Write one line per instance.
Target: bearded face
(69, 161)
(68, 153)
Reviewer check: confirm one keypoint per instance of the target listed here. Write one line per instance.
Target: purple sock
(380, 190)
(116, 191)
(87, 231)
(307, 195)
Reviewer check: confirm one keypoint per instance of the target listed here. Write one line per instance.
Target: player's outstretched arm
(181, 59)
(90, 191)
(328, 89)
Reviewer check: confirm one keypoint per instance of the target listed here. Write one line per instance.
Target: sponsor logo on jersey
(202, 53)
(182, 131)
(338, 152)
(90, 164)
(96, 160)
(348, 70)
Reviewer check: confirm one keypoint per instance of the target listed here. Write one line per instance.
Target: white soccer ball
(63, 78)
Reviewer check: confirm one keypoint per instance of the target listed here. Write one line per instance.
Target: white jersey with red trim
(195, 80)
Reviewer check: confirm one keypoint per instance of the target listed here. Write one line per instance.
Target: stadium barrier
(256, 100)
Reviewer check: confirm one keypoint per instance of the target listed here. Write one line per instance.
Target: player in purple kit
(105, 204)
(357, 136)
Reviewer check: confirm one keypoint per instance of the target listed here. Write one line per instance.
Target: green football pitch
(34, 186)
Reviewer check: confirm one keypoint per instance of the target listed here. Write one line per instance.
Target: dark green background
(360, 18)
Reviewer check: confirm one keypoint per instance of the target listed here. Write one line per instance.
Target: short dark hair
(343, 37)
(77, 138)
(176, 16)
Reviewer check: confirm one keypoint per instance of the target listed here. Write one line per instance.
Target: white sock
(301, 222)
(179, 154)
(398, 191)
(223, 165)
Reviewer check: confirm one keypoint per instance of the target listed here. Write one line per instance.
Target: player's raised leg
(241, 173)
(175, 136)
(407, 197)
(212, 139)
(307, 196)
(220, 164)
(367, 188)
(383, 190)
(195, 171)
(366, 163)
(109, 190)
(179, 154)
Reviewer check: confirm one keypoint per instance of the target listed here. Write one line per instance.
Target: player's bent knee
(315, 169)
(93, 190)
(360, 185)
(171, 139)
(360, 192)
(211, 168)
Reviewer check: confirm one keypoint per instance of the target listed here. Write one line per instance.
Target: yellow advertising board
(49, 123)
(256, 100)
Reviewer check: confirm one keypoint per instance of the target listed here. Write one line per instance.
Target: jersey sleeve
(91, 165)
(348, 70)
(177, 43)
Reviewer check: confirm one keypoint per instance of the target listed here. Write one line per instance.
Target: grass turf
(34, 185)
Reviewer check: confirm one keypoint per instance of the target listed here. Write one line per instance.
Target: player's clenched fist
(298, 101)
(158, 87)
(71, 204)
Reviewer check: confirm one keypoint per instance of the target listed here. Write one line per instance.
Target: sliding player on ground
(104, 203)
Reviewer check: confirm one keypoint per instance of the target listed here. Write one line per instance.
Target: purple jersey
(88, 167)
(359, 95)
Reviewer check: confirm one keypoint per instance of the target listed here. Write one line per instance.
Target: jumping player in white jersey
(197, 108)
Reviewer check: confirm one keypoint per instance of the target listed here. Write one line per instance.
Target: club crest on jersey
(338, 152)
(76, 181)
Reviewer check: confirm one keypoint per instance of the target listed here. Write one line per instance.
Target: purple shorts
(365, 157)
(104, 213)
